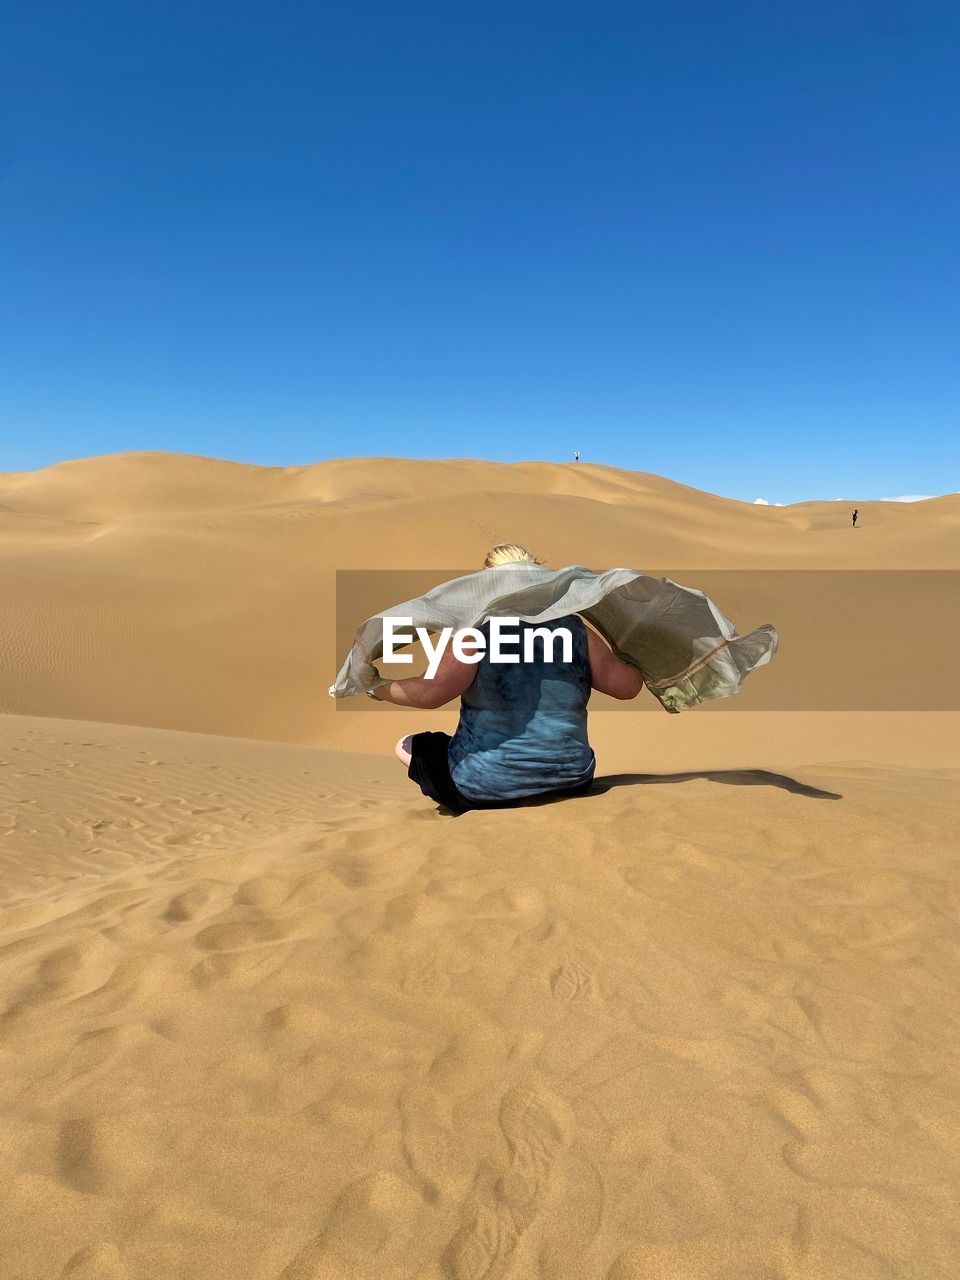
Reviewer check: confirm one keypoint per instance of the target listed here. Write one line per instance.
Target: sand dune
(191, 593)
(266, 1014)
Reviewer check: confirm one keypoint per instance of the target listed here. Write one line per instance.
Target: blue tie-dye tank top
(523, 726)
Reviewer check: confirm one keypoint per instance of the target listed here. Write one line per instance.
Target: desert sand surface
(266, 1012)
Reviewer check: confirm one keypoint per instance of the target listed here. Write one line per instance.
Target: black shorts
(430, 770)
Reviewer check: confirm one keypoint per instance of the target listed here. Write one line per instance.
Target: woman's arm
(610, 674)
(452, 678)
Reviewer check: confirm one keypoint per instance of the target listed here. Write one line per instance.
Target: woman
(523, 725)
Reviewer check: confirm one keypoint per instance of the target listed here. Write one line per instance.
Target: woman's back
(523, 725)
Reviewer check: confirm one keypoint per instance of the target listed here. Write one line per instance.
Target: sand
(264, 1012)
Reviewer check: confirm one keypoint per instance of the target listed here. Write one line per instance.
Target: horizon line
(520, 462)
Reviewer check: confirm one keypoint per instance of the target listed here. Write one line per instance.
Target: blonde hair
(509, 553)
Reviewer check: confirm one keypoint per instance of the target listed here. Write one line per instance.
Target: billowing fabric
(686, 649)
(523, 725)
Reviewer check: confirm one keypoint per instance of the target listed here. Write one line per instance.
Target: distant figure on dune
(855, 514)
(576, 456)
(523, 724)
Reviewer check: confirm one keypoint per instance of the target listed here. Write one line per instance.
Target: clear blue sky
(716, 241)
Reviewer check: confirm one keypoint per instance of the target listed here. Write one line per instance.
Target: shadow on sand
(731, 777)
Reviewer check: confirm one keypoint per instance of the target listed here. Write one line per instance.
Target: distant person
(855, 514)
(576, 456)
(523, 725)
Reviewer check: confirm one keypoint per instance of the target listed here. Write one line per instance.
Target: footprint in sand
(98, 1154)
(572, 980)
(239, 935)
(354, 870)
(536, 1126)
(263, 891)
(366, 1234)
(101, 1261)
(799, 1107)
(435, 1156)
(302, 1019)
(510, 903)
(83, 965)
(414, 909)
(189, 904)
